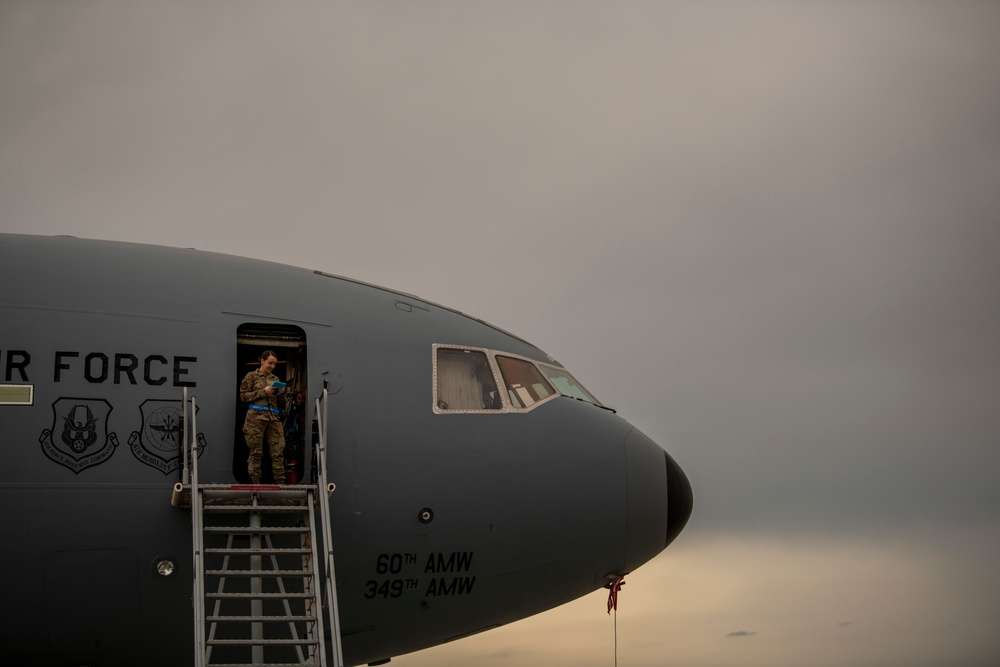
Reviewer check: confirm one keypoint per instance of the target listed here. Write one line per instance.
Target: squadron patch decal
(157, 443)
(79, 438)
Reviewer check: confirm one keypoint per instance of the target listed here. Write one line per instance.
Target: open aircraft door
(289, 345)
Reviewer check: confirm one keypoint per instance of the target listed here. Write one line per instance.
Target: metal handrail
(185, 473)
(315, 588)
(197, 534)
(322, 417)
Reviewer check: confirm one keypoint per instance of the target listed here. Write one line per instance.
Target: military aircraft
(472, 480)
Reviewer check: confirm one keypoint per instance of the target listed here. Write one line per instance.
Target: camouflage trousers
(256, 431)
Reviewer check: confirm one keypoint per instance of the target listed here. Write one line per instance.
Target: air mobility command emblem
(79, 438)
(158, 442)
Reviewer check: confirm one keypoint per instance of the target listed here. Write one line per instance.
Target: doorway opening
(289, 344)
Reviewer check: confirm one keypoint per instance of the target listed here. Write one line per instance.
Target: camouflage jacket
(252, 392)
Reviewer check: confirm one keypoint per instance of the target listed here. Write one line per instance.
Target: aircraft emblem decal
(157, 443)
(79, 438)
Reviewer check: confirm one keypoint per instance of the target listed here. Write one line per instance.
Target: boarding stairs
(264, 591)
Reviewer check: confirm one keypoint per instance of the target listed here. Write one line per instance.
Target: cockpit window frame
(554, 392)
(507, 407)
(497, 379)
(559, 392)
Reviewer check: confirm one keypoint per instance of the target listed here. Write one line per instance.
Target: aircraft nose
(658, 499)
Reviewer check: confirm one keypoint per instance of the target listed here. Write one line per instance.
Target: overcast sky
(768, 233)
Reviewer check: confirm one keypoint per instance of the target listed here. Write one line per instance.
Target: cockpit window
(525, 383)
(567, 384)
(470, 379)
(464, 381)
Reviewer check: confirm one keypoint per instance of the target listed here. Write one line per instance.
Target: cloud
(766, 235)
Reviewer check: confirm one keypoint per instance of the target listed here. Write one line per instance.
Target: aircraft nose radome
(658, 499)
(680, 499)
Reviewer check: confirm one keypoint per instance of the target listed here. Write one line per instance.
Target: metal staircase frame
(256, 501)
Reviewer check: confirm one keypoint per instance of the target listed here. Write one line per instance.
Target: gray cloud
(765, 233)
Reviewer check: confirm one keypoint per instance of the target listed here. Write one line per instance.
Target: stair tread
(258, 573)
(256, 508)
(263, 596)
(263, 664)
(259, 529)
(263, 619)
(262, 642)
(257, 552)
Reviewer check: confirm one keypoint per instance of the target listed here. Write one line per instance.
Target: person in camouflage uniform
(263, 421)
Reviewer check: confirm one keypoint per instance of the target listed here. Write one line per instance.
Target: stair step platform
(260, 596)
(259, 573)
(247, 530)
(255, 508)
(261, 619)
(225, 551)
(262, 642)
(242, 492)
(262, 664)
